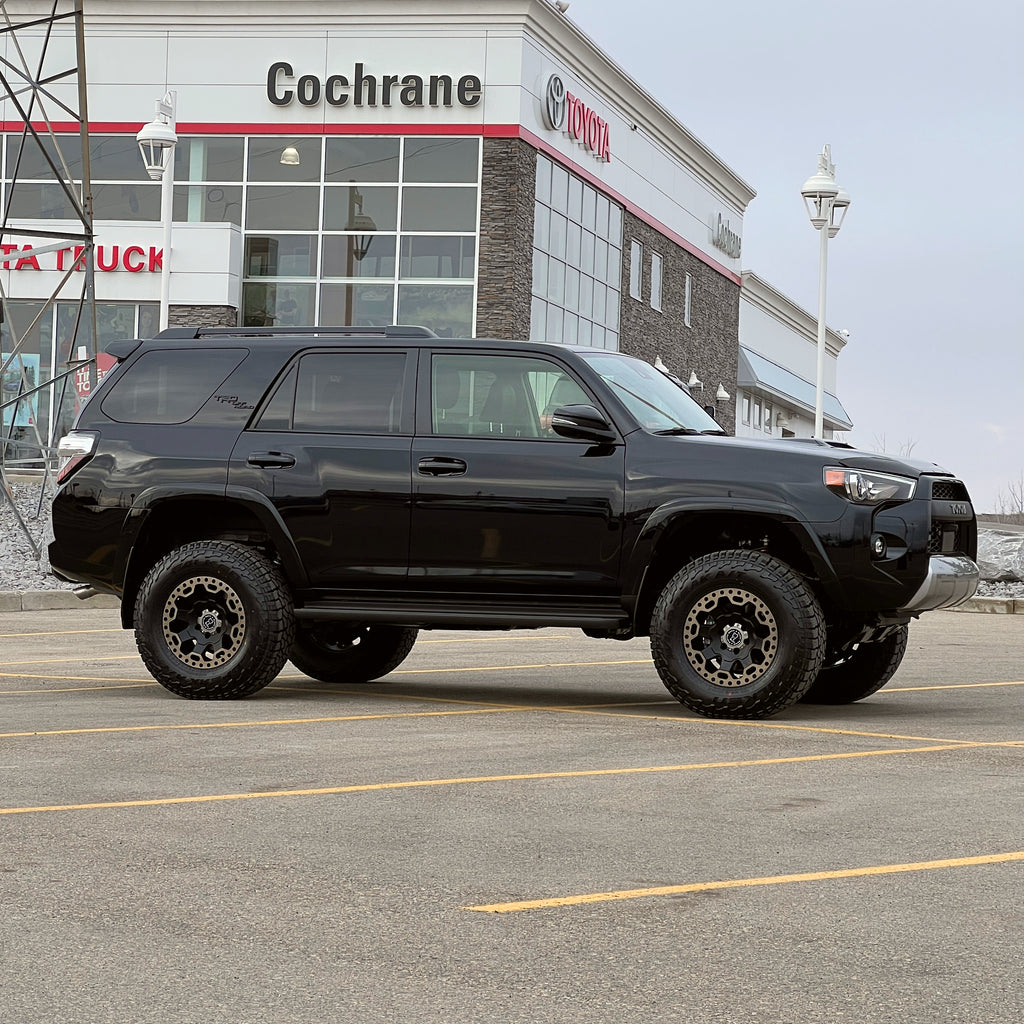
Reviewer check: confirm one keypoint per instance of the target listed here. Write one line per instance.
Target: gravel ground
(20, 570)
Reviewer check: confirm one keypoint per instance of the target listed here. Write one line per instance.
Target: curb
(58, 600)
(52, 600)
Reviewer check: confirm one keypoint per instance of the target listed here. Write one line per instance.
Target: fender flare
(637, 561)
(251, 500)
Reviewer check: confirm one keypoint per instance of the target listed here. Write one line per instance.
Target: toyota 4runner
(322, 494)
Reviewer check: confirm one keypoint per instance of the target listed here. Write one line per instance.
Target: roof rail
(388, 331)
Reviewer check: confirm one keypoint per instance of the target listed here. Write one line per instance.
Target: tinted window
(169, 386)
(350, 393)
(499, 396)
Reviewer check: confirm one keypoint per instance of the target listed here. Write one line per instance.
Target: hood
(837, 453)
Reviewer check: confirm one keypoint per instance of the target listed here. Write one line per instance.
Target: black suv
(322, 494)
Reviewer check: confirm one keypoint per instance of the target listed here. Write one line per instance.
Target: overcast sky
(923, 105)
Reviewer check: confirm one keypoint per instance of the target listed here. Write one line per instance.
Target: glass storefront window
(441, 160)
(360, 305)
(361, 159)
(438, 256)
(445, 309)
(348, 208)
(439, 209)
(208, 203)
(25, 420)
(577, 260)
(267, 158)
(49, 201)
(280, 255)
(208, 159)
(344, 258)
(282, 208)
(277, 305)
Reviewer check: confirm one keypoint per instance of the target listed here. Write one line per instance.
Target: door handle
(439, 466)
(271, 460)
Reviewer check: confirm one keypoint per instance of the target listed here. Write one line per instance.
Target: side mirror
(582, 423)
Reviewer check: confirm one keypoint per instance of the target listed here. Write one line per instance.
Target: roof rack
(389, 331)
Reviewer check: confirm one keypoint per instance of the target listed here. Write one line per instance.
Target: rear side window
(340, 393)
(169, 386)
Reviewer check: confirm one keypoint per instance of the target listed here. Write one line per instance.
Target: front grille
(949, 490)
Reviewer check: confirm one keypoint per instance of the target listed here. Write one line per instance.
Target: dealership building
(479, 168)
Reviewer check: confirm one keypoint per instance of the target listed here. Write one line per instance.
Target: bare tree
(1011, 501)
(904, 448)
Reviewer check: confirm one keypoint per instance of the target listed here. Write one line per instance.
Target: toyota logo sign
(554, 104)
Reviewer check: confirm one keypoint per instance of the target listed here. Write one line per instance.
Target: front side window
(499, 396)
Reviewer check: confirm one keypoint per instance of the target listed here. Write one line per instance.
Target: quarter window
(169, 386)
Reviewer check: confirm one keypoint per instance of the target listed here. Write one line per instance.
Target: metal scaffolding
(36, 91)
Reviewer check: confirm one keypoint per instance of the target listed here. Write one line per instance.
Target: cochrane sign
(365, 90)
(724, 238)
(566, 113)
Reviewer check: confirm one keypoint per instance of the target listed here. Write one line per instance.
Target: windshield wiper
(716, 433)
(676, 431)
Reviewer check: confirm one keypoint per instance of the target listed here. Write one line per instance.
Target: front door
(501, 504)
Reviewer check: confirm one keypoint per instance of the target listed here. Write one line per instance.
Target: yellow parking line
(62, 632)
(124, 683)
(945, 686)
(242, 725)
(76, 661)
(740, 883)
(473, 780)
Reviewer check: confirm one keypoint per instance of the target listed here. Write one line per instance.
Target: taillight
(73, 450)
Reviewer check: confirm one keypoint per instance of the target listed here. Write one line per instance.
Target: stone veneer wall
(202, 316)
(710, 345)
(505, 264)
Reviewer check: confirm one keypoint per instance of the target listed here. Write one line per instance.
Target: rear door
(501, 504)
(331, 450)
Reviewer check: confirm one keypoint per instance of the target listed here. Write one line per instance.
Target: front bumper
(951, 580)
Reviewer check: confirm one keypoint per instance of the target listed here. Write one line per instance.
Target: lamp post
(827, 203)
(357, 245)
(156, 143)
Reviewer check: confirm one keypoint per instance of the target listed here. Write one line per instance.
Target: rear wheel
(336, 652)
(861, 671)
(737, 634)
(213, 621)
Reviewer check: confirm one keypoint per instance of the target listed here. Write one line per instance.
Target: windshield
(655, 402)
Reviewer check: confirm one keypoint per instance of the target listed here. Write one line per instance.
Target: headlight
(868, 488)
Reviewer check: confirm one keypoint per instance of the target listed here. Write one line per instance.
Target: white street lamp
(827, 203)
(156, 142)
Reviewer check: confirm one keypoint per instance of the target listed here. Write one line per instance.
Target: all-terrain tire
(214, 621)
(737, 634)
(336, 652)
(861, 672)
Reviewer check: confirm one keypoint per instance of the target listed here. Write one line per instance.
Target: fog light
(878, 547)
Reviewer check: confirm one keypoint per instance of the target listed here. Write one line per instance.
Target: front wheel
(340, 652)
(737, 634)
(213, 621)
(861, 671)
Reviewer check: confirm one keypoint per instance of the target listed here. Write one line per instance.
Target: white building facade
(476, 168)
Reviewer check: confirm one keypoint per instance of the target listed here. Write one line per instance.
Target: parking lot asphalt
(517, 827)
